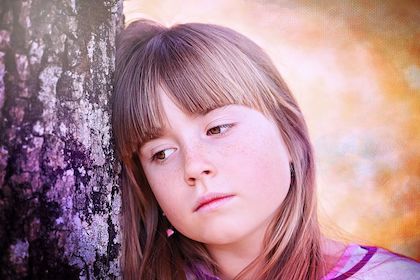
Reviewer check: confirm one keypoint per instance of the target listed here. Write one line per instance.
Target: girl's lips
(212, 201)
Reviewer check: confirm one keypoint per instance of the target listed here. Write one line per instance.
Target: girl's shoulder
(366, 263)
(357, 263)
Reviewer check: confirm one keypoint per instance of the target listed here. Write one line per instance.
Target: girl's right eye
(162, 155)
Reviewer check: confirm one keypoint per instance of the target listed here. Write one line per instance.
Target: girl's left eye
(219, 129)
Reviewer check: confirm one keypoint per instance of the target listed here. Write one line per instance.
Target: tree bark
(59, 186)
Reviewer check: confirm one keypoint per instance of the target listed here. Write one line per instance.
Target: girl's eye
(220, 129)
(162, 155)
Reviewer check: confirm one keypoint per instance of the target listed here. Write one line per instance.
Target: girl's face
(218, 177)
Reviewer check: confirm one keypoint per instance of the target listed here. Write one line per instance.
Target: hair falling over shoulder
(202, 67)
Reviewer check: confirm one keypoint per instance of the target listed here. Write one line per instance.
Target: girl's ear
(169, 230)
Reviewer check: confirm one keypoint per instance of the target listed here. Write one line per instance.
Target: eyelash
(226, 126)
(155, 159)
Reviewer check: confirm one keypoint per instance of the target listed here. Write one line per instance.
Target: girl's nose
(198, 164)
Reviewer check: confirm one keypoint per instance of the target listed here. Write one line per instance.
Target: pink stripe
(359, 265)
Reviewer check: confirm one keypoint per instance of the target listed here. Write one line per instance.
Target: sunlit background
(354, 67)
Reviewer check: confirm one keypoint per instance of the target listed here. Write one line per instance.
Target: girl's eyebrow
(158, 133)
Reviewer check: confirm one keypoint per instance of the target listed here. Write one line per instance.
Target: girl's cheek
(159, 177)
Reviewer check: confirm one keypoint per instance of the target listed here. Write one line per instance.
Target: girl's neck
(234, 257)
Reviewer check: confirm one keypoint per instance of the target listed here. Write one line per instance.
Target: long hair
(203, 67)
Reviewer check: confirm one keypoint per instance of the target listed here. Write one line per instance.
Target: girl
(218, 170)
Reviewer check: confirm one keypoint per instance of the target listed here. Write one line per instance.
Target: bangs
(200, 69)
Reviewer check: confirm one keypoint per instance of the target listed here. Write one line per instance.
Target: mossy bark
(59, 188)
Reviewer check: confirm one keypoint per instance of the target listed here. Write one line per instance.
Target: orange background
(354, 67)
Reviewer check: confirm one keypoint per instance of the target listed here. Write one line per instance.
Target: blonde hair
(202, 67)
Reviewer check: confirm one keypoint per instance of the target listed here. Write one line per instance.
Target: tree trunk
(59, 192)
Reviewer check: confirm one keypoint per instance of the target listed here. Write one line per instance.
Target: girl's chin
(219, 238)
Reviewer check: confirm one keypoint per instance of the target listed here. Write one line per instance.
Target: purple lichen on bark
(59, 192)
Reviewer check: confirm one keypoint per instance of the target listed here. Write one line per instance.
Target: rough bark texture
(59, 194)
